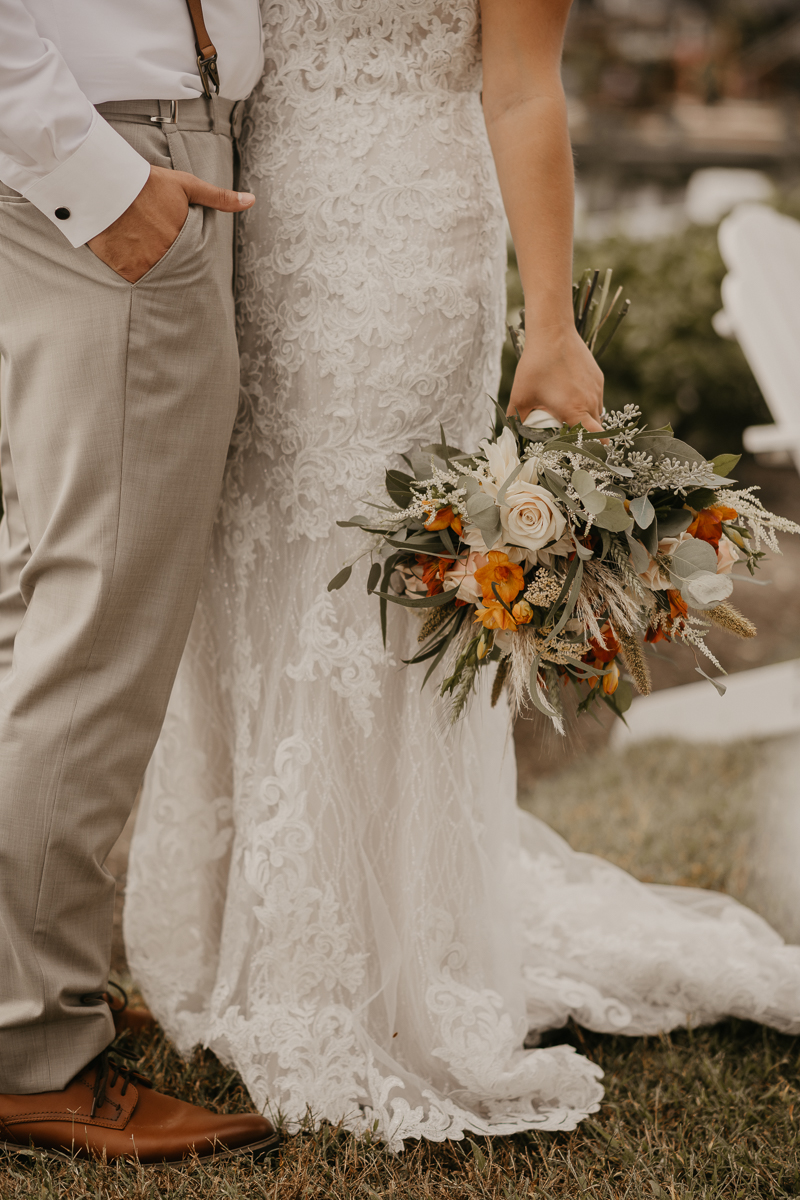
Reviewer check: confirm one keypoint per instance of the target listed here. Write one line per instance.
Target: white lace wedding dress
(342, 903)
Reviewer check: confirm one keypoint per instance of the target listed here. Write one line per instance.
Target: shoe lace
(108, 1069)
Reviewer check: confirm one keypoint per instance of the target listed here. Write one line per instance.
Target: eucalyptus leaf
(648, 537)
(642, 511)
(479, 502)
(700, 498)
(422, 602)
(691, 558)
(582, 482)
(501, 495)
(721, 688)
(721, 481)
(725, 463)
(556, 485)
(674, 522)
(660, 445)
(373, 577)
(340, 580)
(706, 590)
(358, 521)
(595, 502)
(614, 516)
(639, 556)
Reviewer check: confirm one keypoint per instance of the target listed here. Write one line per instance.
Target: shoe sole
(258, 1150)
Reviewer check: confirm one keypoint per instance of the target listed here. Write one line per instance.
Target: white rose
(462, 577)
(654, 578)
(727, 555)
(530, 516)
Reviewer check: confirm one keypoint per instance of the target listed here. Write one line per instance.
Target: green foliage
(666, 357)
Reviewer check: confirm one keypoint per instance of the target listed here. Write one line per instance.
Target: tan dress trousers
(118, 402)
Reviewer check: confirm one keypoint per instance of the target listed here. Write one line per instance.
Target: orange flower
(707, 525)
(494, 616)
(433, 572)
(677, 604)
(600, 653)
(508, 576)
(445, 518)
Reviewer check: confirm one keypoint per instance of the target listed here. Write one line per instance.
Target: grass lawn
(707, 1113)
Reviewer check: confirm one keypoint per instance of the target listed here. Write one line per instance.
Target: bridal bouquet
(553, 556)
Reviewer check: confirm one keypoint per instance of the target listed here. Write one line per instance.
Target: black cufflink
(63, 214)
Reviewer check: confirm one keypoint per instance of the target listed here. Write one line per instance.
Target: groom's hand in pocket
(138, 239)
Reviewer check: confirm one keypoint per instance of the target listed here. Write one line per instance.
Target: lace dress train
(341, 902)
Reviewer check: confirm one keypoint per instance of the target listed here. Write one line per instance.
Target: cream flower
(530, 516)
(503, 461)
(407, 580)
(462, 577)
(727, 555)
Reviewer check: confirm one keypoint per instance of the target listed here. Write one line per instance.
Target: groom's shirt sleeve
(55, 148)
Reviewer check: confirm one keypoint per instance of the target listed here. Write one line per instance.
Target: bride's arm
(526, 119)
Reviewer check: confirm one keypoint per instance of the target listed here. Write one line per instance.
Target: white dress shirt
(58, 58)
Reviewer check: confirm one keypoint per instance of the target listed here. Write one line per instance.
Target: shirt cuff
(89, 190)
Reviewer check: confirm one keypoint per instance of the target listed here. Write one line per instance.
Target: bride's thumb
(211, 196)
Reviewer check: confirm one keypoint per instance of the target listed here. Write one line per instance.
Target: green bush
(666, 357)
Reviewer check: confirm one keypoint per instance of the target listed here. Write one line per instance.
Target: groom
(119, 391)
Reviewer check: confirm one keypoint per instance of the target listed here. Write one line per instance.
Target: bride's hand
(557, 372)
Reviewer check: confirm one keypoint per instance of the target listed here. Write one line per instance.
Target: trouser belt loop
(237, 119)
(213, 105)
(168, 115)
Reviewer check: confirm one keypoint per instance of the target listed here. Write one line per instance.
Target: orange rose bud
(508, 576)
(611, 681)
(522, 612)
(445, 518)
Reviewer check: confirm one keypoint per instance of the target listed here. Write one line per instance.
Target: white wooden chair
(761, 309)
(761, 298)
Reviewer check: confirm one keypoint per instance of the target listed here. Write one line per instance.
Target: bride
(341, 903)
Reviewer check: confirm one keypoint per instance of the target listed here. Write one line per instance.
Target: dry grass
(668, 812)
(709, 1114)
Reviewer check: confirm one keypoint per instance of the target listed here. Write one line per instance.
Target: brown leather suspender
(206, 51)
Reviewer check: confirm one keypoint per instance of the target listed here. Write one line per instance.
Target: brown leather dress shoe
(107, 1109)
